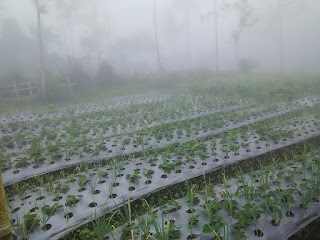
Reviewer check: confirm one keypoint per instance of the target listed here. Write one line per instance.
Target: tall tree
(188, 28)
(214, 13)
(160, 69)
(246, 19)
(216, 33)
(281, 36)
(285, 4)
(40, 10)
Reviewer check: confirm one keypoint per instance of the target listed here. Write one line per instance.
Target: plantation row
(272, 202)
(175, 107)
(54, 111)
(75, 199)
(81, 171)
(57, 135)
(48, 150)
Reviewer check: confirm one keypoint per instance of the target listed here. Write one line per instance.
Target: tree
(188, 28)
(247, 65)
(280, 34)
(40, 10)
(246, 19)
(106, 75)
(216, 33)
(215, 14)
(17, 56)
(77, 74)
(160, 69)
(277, 20)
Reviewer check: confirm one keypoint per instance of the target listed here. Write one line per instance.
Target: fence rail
(18, 91)
(70, 85)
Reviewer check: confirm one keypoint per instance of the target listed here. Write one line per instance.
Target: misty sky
(122, 31)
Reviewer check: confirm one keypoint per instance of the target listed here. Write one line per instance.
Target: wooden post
(216, 34)
(30, 89)
(69, 86)
(160, 69)
(5, 225)
(281, 36)
(42, 70)
(15, 90)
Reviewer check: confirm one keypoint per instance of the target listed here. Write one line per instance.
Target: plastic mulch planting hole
(258, 233)
(68, 215)
(47, 227)
(34, 209)
(16, 210)
(113, 195)
(96, 191)
(93, 204)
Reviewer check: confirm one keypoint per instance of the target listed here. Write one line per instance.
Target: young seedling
(148, 173)
(72, 200)
(145, 223)
(29, 223)
(82, 180)
(102, 225)
(194, 219)
(228, 196)
(93, 185)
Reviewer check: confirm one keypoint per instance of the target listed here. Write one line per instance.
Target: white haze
(122, 32)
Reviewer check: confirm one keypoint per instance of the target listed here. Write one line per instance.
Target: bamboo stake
(15, 90)
(30, 90)
(5, 225)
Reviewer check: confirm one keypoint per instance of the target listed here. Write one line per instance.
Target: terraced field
(231, 159)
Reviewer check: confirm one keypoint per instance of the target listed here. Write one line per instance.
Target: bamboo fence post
(69, 86)
(15, 90)
(5, 225)
(30, 90)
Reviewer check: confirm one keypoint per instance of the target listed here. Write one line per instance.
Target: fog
(159, 119)
(81, 34)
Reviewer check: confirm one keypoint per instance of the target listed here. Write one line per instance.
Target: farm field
(231, 158)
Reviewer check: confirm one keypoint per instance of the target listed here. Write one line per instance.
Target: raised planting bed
(55, 111)
(106, 187)
(73, 140)
(71, 151)
(272, 202)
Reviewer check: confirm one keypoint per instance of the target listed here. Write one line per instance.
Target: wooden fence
(70, 86)
(18, 91)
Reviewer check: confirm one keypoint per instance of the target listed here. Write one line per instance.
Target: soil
(310, 232)
(193, 236)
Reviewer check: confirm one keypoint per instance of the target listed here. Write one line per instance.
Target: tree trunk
(216, 35)
(188, 32)
(42, 70)
(281, 36)
(237, 53)
(156, 37)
